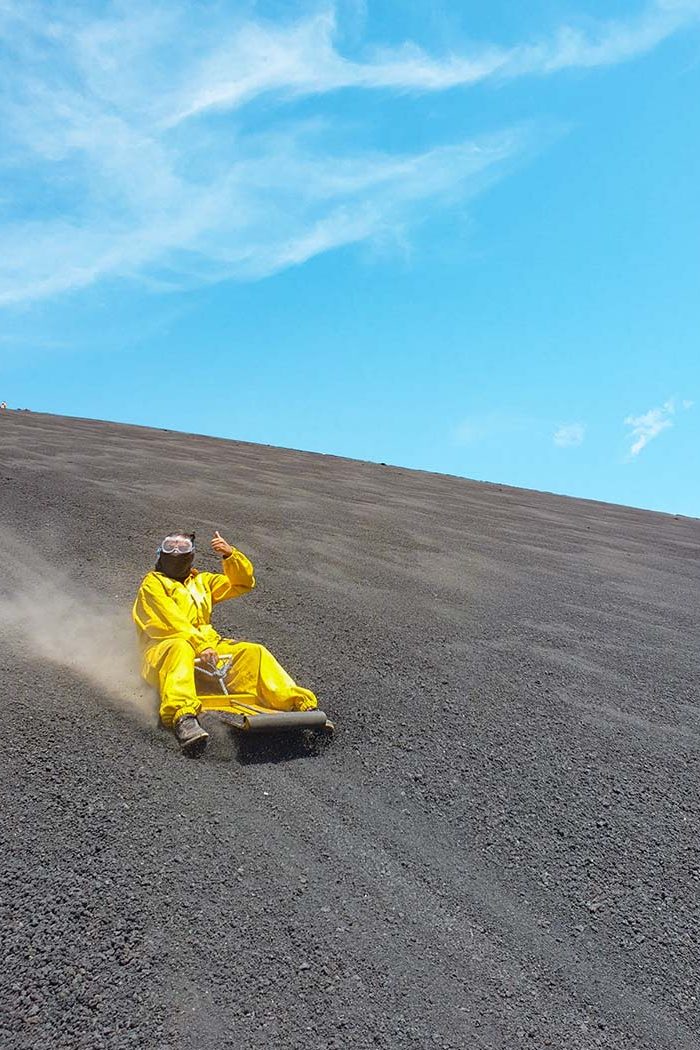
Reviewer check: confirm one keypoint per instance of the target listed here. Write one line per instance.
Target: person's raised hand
(209, 657)
(220, 546)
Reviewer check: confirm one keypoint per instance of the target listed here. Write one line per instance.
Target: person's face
(176, 556)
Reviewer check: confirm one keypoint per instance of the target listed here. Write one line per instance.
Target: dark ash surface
(500, 849)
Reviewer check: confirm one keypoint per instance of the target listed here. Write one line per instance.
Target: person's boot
(190, 735)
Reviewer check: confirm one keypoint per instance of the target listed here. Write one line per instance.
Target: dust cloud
(47, 616)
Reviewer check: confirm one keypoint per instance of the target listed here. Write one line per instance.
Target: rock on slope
(500, 849)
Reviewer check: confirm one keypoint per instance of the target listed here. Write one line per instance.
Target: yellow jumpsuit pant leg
(171, 664)
(256, 671)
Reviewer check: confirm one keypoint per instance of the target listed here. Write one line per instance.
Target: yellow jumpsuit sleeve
(157, 615)
(237, 578)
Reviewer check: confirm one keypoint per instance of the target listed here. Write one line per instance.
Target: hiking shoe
(191, 737)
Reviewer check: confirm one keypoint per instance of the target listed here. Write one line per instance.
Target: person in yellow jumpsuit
(172, 613)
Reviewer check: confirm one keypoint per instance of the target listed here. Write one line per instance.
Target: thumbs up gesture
(220, 546)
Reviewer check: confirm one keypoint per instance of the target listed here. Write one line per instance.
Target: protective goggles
(176, 545)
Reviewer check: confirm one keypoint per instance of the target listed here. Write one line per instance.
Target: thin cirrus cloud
(649, 425)
(125, 151)
(570, 435)
(303, 59)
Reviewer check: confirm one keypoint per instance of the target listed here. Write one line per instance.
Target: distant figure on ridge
(172, 612)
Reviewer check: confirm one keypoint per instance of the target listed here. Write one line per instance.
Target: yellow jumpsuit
(173, 620)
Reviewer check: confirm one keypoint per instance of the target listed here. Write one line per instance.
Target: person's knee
(180, 645)
(251, 649)
(179, 651)
(177, 659)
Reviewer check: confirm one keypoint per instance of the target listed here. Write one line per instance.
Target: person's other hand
(220, 546)
(209, 657)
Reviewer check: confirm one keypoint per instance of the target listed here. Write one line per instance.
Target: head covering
(175, 566)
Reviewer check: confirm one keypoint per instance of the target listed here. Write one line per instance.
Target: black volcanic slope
(500, 849)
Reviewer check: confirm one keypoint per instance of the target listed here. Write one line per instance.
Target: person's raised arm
(237, 577)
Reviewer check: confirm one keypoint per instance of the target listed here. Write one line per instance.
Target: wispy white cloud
(108, 174)
(650, 424)
(507, 429)
(277, 206)
(303, 58)
(570, 435)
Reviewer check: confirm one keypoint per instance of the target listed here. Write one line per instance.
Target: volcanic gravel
(499, 849)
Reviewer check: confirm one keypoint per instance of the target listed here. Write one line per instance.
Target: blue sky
(457, 237)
